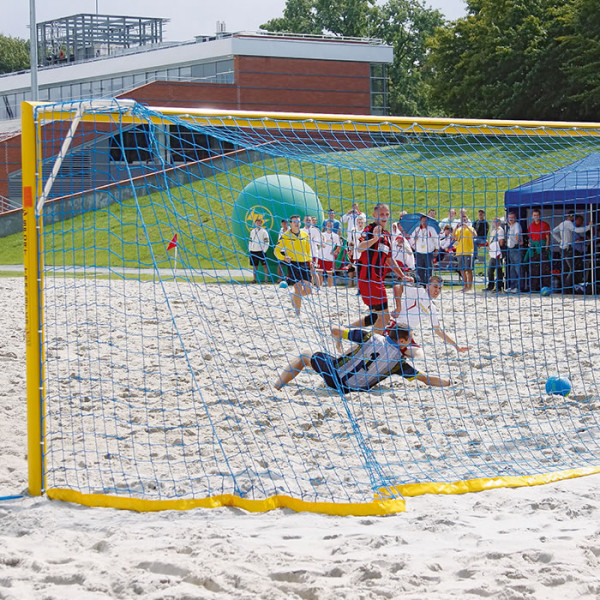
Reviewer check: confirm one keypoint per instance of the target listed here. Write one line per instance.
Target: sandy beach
(530, 542)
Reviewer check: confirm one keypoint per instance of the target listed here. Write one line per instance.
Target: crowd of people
(521, 256)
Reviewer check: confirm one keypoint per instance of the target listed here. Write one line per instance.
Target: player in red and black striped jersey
(374, 264)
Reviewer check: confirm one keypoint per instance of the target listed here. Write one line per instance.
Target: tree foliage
(518, 59)
(404, 24)
(14, 54)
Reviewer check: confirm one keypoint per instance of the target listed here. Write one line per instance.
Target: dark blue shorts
(298, 271)
(325, 365)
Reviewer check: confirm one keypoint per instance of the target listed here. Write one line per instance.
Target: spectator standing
(465, 236)
(329, 250)
(481, 227)
(257, 247)
(446, 254)
(350, 219)
(581, 252)
(335, 224)
(464, 217)
(425, 242)
(564, 233)
(496, 243)
(401, 250)
(353, 242)
(514, 242)
(450, 220)
(537, 253)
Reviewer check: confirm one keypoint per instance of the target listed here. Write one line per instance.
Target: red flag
(172, 243)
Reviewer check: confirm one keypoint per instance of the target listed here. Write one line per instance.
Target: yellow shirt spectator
(295, 246)
(464, 235)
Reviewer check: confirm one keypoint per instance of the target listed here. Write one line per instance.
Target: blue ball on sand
(558, 386)
(546, 291)
(283, 285)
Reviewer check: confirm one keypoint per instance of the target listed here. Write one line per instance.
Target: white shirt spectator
(417, 309)
(349, 220)
(402, 252)
(281, 232)
(329, 242)
(514, 235)
(259, 240)
(425, 240)
(353, 242)
(495, 236)
(316, 237)
(446, 241)
(563, 233)
(454, 223)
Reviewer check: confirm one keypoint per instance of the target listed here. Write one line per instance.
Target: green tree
(579, 56)
(519, 59)
(406, 25)
(299, 16)
(14, 54)
(344, 17)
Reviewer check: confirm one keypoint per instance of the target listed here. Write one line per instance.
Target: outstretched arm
(441, 333)
(296, 365)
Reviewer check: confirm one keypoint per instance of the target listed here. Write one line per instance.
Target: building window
(131, 146)
(379, 90)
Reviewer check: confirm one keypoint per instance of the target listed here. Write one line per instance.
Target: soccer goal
(234, 308)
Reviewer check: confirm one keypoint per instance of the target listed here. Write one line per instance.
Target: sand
(533, 542)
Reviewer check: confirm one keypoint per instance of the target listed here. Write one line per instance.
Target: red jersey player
(373, 265)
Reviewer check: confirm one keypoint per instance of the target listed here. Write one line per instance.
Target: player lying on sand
(374, 359)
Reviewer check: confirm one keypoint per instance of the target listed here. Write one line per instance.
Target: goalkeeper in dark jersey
(374, 359)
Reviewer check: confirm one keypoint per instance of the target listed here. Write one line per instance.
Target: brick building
(240, 71)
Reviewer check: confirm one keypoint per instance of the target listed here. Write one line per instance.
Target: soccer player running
(415, 307)
(294, 248)
(373, 264)
(376, 358)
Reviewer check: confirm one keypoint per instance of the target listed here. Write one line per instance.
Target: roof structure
(577, 183)
(84, 36)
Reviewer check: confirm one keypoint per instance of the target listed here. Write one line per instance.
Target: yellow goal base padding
(383, 504)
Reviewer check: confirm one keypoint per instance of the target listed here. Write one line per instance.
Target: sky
(188, 18)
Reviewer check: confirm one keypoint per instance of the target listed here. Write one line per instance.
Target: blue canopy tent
(574, 188)
(575, 184)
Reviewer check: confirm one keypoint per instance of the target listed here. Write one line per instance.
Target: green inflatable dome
(273, 197)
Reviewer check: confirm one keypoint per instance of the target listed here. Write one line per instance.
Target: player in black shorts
(374, 359)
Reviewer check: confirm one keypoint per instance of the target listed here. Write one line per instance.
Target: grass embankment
(413, 177)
